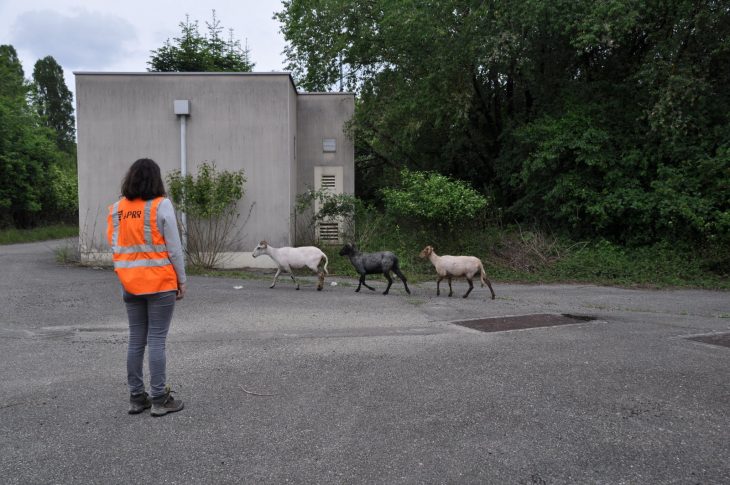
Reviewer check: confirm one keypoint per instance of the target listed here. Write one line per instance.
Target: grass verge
(44, 233)
(513, 255)
(510, 255)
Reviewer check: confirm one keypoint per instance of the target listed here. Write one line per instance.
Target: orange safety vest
(141, 260)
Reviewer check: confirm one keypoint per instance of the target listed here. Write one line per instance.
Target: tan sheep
(456, 267)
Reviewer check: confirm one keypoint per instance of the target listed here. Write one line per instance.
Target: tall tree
(194, 52)
(12, 77)
(36, 183)
(604, 118)
(53, 101)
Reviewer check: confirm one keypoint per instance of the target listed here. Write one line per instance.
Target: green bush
(209, 201)
(209, 194)
(434, 199)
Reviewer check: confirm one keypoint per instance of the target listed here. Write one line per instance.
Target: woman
(148, 259)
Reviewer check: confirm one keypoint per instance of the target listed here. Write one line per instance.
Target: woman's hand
(180, 291)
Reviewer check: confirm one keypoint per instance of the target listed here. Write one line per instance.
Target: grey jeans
(149, 321)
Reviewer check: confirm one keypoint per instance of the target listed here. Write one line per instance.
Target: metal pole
(183, 173)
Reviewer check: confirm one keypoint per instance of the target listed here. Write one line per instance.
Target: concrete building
(286, 141)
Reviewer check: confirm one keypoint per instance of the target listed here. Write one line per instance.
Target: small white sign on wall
(329, 145)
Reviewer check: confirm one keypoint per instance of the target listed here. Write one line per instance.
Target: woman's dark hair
(143, 181)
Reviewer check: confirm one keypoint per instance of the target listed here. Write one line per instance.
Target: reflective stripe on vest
(115, 220)
(141, 262)
(147, 247)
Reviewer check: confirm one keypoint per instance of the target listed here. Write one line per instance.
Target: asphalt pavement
(286, 386)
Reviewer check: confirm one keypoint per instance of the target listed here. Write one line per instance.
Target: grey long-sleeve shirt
(167, 224)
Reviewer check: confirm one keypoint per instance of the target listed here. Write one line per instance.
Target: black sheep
(373, 263)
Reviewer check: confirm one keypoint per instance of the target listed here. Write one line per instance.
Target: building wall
(251, 121)
(320, 116)
(323, 116)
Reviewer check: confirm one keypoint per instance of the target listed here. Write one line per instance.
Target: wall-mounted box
(182, 107)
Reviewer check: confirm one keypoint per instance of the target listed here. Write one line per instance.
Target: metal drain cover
(722, 339)
(520, 322)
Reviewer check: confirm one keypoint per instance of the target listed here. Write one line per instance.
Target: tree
(193, 52)
(53, 102)
(600, 118)
(12, 78)
(34, 185)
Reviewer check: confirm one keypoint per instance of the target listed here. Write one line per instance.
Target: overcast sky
(99, 35)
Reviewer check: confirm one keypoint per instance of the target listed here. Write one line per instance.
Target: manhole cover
(519, 322)
(722, 339)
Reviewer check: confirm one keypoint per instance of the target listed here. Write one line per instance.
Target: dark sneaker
(165, 404)
(139, 402)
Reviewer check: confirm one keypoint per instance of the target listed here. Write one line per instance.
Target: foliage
(61, 196)
(658, 265)
(193, 52)
(602, 119)
(208, 195)
(330, 207)
(37, 179)
(533, 255)
(209, 202)
(53, 102)
(431, 198)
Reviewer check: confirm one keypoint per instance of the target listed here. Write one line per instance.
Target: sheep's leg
(320, 273)
(362, 282)
(396, 270)
(390, 281)
(278, 272)
(451, 291)
(471, 287)
(489, 284)
(291, 274)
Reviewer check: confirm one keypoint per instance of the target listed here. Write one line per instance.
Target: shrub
(432, 198)
(209, 202)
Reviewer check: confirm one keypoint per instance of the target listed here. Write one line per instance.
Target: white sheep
(455, 267)
(287, 258)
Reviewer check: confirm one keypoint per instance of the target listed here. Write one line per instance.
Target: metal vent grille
(329, 231)
(328, 182)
